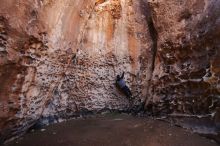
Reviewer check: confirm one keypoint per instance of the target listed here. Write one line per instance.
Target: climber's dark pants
(127, 92)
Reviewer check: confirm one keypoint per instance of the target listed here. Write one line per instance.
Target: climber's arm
(123, 74)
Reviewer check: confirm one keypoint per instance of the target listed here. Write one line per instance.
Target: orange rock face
(60, 58)
(185, 78)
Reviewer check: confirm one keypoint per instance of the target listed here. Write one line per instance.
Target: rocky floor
(112, 130)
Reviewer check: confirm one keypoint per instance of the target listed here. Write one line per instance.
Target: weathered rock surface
(185, 80)
(61, 57)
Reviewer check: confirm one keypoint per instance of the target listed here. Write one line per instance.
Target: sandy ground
(112, 130)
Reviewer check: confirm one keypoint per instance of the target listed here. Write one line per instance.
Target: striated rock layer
(61, 57)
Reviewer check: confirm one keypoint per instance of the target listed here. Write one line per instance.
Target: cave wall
(61, 57)
(185, 79)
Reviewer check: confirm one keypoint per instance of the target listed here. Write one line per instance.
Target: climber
(120, 82)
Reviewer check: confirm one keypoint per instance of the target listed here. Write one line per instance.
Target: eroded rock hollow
(61, 57)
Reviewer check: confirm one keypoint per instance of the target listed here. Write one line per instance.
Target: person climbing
(120, 82)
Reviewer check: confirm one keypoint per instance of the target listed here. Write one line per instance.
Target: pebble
(42, 130)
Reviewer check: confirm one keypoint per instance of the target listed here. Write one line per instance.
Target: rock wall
(60, 58)
(185, 79)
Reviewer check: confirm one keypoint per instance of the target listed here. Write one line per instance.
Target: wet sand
(113, 130)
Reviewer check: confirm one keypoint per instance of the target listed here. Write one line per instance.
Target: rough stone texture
(61, 57)
(185, 80)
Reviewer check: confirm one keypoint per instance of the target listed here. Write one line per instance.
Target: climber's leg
(127, 92)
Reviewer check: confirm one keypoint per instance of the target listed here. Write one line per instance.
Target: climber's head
(118, 77)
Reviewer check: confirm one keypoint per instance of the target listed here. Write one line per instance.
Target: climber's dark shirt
(120, 81)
